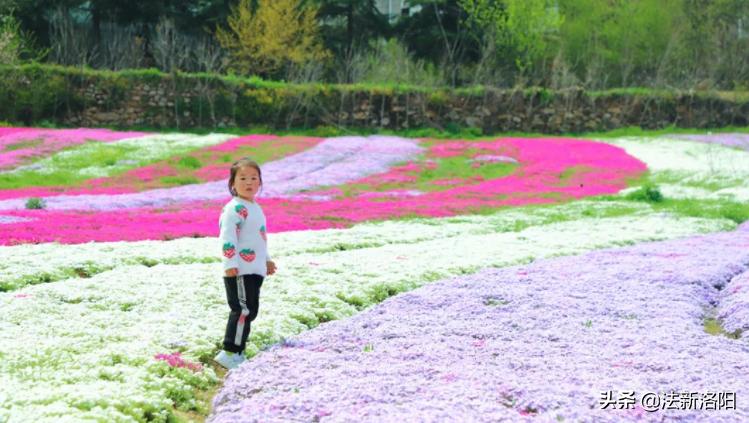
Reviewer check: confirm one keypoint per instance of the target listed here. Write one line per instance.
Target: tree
(436, 33)
(273, 36)
(351, 23)
(527, 29)
(620, 42)
(348, 28)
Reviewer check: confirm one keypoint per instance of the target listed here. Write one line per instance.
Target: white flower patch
(28, 264)
(665, 154)
(685, 169)
(137, 151)
(93, 339)
(14, 219)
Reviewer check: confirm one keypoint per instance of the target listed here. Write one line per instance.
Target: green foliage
(527, 28)
(180, 180)
(190, 162)
(274, 34)
(710, 209)
(350, 24)
(389, 62)
(648, 193)
(11, 42)
(16, 45)
(35, 203)
(34, 92)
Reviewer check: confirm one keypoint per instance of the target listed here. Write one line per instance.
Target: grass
(67, 164)
(189, 162)
(179, 180)
(203, 398)
(709, 209)
(714, 327)
(23, 144)
(460, 168)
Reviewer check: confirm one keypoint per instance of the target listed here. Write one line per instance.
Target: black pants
(243, 295)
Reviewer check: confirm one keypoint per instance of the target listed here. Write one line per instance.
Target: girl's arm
(270, 265)
(229, 225)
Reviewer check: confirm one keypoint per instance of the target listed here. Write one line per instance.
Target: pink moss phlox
(449, 149)
(234, 144)
(24, 193)
(175, 360)
(601, 169)
(9, 130)
(145, 174)
(52, 140)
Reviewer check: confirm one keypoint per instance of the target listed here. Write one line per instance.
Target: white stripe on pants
(245, 311)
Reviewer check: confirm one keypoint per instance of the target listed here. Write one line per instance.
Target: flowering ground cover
(20, 144)
(541, 341)
(476, 176)
(729, 140)
(94, 160)
(705, 170)
(102, 363)
(123, 329)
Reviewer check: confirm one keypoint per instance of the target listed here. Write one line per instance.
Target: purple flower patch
(542, 342)
(729, 140)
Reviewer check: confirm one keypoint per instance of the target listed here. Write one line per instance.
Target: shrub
(35, 203)
(648, 193)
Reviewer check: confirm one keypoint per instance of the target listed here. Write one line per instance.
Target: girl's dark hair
(243, 162)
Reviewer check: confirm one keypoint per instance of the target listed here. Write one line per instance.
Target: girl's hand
(270, 267)
(231, 272)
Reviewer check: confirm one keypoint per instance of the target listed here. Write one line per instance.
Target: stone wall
(88, 98)
(157, 105)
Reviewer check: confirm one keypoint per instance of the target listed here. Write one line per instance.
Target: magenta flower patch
(364, 179)
(175, 359)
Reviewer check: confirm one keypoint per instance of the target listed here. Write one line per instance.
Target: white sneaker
(229, 360)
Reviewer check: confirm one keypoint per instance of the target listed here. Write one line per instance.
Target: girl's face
(247, 183)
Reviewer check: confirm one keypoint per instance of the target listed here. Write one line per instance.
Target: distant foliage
(10, 41)
(697, 45)
(274, 35)
(390, 62)
(16, 44)
(529, 29)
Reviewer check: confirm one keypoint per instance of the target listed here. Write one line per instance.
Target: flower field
(481, 280)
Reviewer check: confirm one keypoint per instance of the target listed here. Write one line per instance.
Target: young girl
(245, 257)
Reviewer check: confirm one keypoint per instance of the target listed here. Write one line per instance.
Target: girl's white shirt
(243, 237)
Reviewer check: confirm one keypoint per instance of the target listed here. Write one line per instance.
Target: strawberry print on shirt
(247, 255)
(228, 250)
(241, 210)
